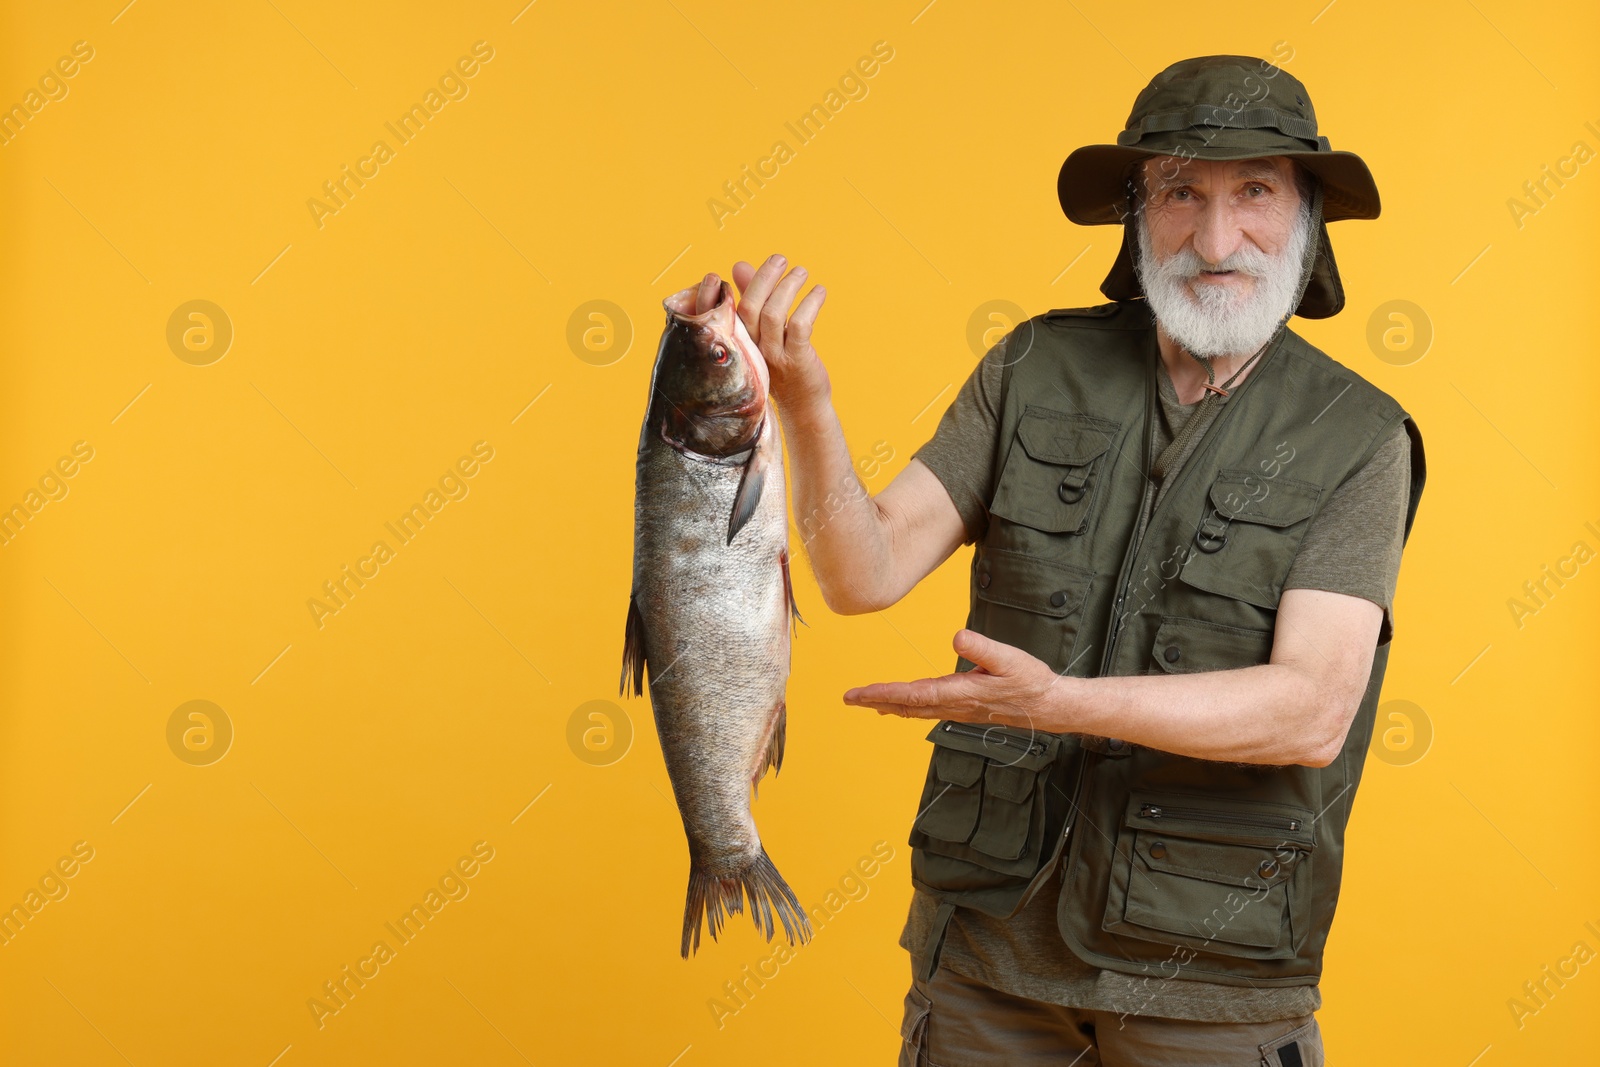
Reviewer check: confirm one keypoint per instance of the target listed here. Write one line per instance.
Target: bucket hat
(1218, 108)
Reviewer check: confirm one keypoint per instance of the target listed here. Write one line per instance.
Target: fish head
(709, 391)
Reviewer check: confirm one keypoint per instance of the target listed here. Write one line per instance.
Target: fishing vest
(1223, 872)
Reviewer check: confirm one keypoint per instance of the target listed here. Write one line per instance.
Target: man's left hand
(1007, 687)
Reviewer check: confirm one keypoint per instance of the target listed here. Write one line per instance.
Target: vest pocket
(1227, 877)
(1029, 602)
(1247, 539)
(1185, 645)
(981, 821)
(1051, 471)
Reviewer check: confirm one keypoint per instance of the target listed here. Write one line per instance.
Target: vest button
(1172, 654)
(983, 580)
(1268, 868)
(1158, 849)
(1116, 744)
(1057, 598)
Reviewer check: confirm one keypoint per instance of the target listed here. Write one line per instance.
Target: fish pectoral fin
(788, 586)
(751, 484)
(633, 651)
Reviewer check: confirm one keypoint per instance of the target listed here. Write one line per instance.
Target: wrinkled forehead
(1167, 171)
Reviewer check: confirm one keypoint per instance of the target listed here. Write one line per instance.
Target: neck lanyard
(1194, 421)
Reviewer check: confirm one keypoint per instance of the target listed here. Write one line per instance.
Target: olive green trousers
(957, 1021)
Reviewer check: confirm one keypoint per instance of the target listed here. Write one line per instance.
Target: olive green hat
(1222, 108)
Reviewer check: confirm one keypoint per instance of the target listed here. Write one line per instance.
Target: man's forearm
(1272, 714)
(845, 533)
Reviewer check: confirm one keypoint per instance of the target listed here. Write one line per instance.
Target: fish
(711, 610)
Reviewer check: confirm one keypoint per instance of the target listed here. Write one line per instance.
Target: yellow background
(369, 354)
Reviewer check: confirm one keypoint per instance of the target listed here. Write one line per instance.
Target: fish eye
(720, 355)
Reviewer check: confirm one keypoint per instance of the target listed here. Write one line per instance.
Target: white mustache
(1186, 263)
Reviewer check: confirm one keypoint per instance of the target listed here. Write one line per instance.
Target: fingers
(804, 318)
(775, 310)
(928, 692)
(756, 293)
(906, 712)
(991, 656)
(742, 273)
(706, 298)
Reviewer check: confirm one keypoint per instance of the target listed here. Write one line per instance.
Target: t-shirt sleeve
(1353, 544)
(961, 452)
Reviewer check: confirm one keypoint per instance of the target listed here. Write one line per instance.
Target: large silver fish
(711, 604)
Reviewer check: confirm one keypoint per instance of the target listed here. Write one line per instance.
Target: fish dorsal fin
(751, 484)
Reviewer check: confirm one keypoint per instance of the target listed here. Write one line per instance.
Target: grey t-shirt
(1352, 546)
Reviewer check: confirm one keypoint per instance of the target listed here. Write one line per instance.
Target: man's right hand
(867, 551)
(798, 377)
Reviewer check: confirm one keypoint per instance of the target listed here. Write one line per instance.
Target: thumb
(990, 655)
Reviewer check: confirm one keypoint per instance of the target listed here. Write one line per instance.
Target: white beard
(1215, 321)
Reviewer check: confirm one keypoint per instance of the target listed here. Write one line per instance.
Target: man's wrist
(1060, 706)
(806, 406)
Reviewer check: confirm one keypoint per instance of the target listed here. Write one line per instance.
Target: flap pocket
(982, 803)
(1031, 583)
(952, 800)
(1057, 437)
(1209, 904)
(1246, 542)
(1245, 496)
(1185, 645)
(1049, 478)
(957, 767)
(1231, 876)
(1007, 746)
(1009, 782)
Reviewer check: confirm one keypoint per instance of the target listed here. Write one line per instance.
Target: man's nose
(1217, 233)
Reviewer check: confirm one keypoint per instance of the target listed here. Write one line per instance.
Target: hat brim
(1092, 189)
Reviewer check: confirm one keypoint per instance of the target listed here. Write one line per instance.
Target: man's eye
(1256, 190)
(1180, 194)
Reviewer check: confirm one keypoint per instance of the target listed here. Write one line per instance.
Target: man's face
(1221, 245)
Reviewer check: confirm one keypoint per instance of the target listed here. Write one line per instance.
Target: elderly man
(1187, 525)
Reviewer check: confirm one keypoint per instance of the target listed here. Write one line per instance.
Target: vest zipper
(1271, 822)
(988, 734)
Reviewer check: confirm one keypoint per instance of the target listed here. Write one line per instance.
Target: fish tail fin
(633, 652)
(712, 899)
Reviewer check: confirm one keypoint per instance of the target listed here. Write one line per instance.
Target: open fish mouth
(724, 319)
